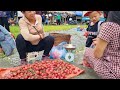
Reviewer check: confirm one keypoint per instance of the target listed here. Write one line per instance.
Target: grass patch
(2, 55)
(47, 28)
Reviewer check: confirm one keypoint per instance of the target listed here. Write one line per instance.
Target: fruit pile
(47, 69)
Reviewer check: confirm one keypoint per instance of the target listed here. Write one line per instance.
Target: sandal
(24, 62)
(85, 64)
(45, 57)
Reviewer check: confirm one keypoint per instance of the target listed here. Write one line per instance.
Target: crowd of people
(102, 49)
(55, 18)
(47, 17)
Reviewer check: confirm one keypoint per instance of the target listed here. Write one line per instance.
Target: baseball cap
(88, 13)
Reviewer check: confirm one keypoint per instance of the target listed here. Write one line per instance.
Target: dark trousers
(58, 22)
(24, 46)
(4, 23)
(89, 42)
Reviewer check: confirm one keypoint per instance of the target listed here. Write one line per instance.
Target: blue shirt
(5, 14)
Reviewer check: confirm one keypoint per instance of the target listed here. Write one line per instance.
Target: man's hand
(11, 21)
(95, 41)
(41, 36)
(86, 34)
(12, 35)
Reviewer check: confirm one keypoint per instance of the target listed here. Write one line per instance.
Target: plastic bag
(58, 51)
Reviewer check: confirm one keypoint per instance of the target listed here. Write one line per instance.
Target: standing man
(5, 19)
(58, 19)
(43, 18)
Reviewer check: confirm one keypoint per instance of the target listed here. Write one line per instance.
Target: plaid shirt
(108, 66)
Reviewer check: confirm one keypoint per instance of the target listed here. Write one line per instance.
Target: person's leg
(87, 56)
(89, 42)
(57, 21)
(46, 44)
(1, 21)
(49, 42)
(45, 22)
(5, 21)
(22, 46)
(104, 71)
(1, 49)
(99, 65)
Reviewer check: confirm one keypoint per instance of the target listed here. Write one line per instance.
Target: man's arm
(40, 22)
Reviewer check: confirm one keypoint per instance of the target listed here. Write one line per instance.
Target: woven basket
(60, 37)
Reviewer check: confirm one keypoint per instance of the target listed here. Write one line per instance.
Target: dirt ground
(77, 39)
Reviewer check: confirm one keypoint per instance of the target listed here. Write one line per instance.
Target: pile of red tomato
(46, 69)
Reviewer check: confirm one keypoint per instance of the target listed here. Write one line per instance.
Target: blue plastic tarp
(78, 13)
(85, 19)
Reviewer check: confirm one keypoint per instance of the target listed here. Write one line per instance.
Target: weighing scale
(70, 54)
